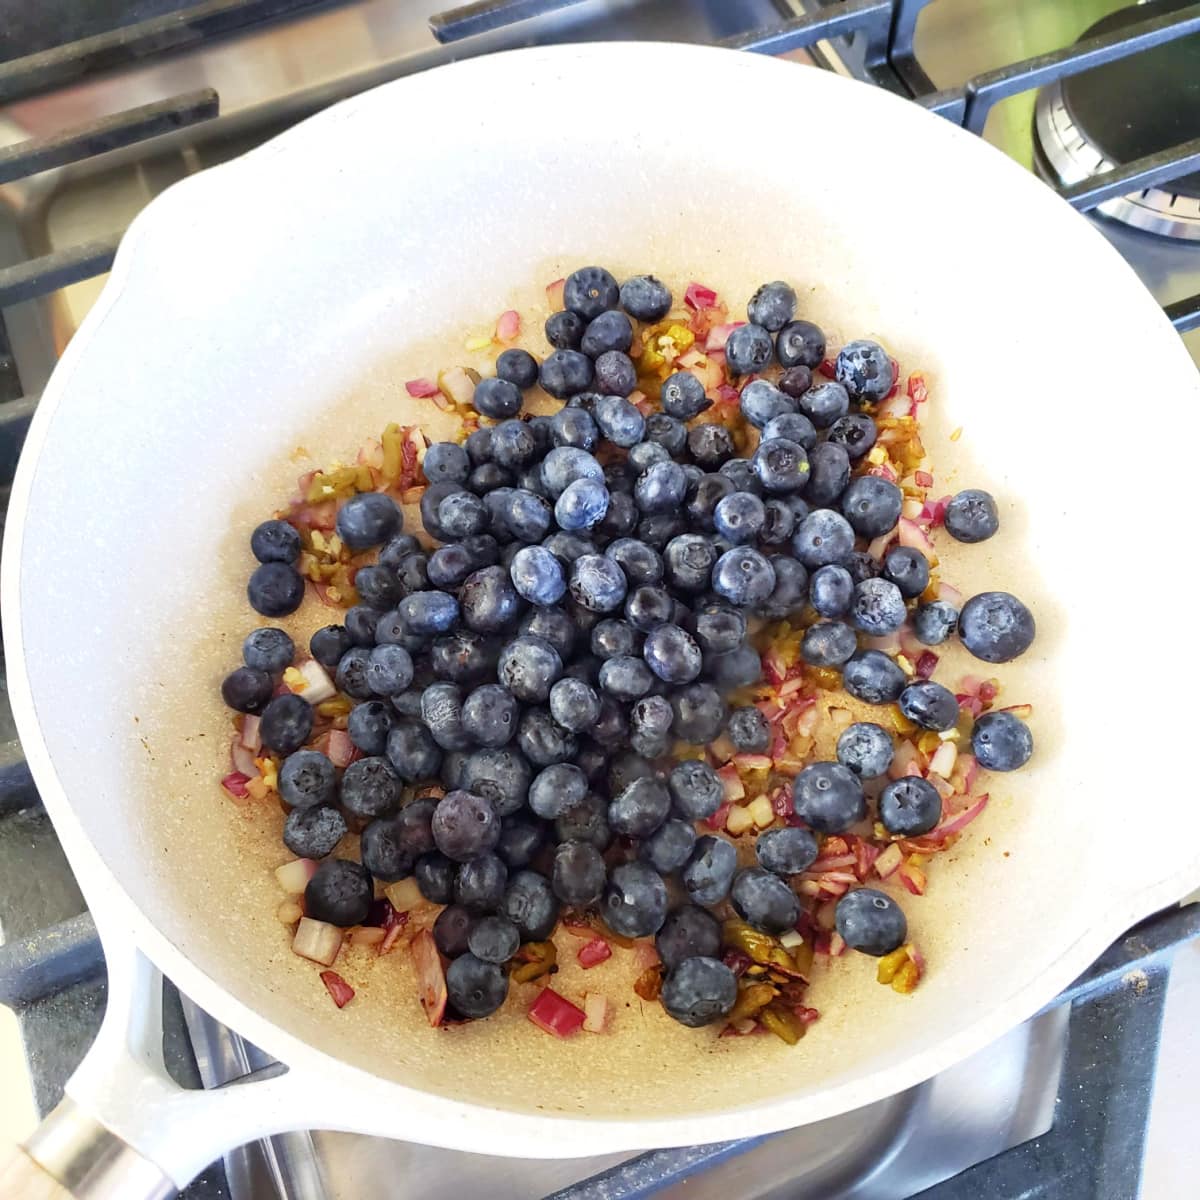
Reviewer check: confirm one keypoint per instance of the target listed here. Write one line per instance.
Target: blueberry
(699, 713)
(748, 730)
(862, 566)
(786, 851)
(368, 519)
(565, 372)
(739, 517)
(720, 630)
(615, 374)
(582, 505)
(743, 576)
(339, 892)
(866, 749)
(568, 548)
(587, 822)
(370, 788)
(971, 516)
(688, 932)
(247, 690)
(463, 657)
(313, 832)
(501, 776)
(609, 331)
(688, 562)
(619, 421)
(573, 427)
(579, 874)
(795, 381)
(790, 591)
(285, 724)
(480, 884)
(556, 789)
(823, 537)
(670, 846)
(307, 779)
(328, 645)
(459, 515)
(872, 505)
(1001, 741)
(412, 751)
(442, 712)
(763, 900)
(497, 398)
(389, 670)
(551, 625)
(709, 870)
(878, 607)
(275, 541)
(564, 330)
(761, 401)
(668, 432)
(748, 350)
(542, 740)
(710, 445)
(452, 929)
(929, 705)
(781, 465)
(515, 366)
(870, 922)
(369, 725)
(661, 488)
(531, 905)
(650, 720)
(563, 465)
(514, 445)
(351, 674)
(672, 654)
(398, 548)
(772, 306)
(615, 639)
(435, 875)
(475, 988)
(996, 627)
(828, 474)
(828, 797)
(800, 343)
(521, 837)
(639, 563)
(428, 612)
(740, 668)
(933, 623)
(625, 677)
(910, 806)
(872, 677)
(635, 900)
(682, 396)
(275, 589)
(657, 529)
(908, 569)
(465, 826)
(825, 403)
(779, 523)
(828, 644)
(645, 609)
(488, 602)
(488, 477)
(699, 992)
(383, 852)
(378, 588)
(528, 667)
(412, 574)
(831, 590)
(479, 445)
(790, 426)
(597, 583)
(494, 939)
(640, 808)
(645, 298)
(489, 716)
(589, 291)
(855, 432)
(865, 370)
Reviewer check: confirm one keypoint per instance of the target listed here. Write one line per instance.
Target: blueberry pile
(518, 691)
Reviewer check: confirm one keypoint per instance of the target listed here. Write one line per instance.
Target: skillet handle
(23, 1179)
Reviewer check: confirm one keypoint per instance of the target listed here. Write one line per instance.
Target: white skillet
(282, 298)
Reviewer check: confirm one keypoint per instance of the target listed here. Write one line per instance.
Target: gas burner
(1109, 116)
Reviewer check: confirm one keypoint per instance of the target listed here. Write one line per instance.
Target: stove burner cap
(1112, 115)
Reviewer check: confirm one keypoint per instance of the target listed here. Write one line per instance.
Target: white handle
(125, 1129)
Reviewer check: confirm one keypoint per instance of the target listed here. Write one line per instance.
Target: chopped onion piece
(242, 760)
(761, 811)
(719, 818)
(289, 912)
(342, 750)
(912, 877)
(645, 955)
(731, 782)
(457, 385)
(915, 538)
(553, 1014)
(367, 935)
(235, 784)
(339, 989)
(251, 737)
(404, 895)
(960, 822)
(739, 820)
(554, 294)
(697, 296)
(888, 863)
(421, 388)
(594, 953)
(949, 593)
(431, 979)
(508, 327)
(837, 945)
(791, 939)
(317, 687)
(595, 1008)
(943, 760)
(317, 940)
(293, 876)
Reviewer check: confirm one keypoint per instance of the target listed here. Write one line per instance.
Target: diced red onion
(697, 296)
(554, 293)
(971, 704)
(1024, 711)
(914, 537)
(988, 691)
(906, 754)
(431, 979)
(317, 941)
(594, 953)
(422, 388)
(242, 760)
(949, 593)
(882, 471)
(293, 876)
(595, 1009)
(645, 955)
(926, 664)
(717, 821)
(508, 327)
(837, 945)
(251, 737)
(924, 479)
(718, 335)
(879, 547)
(342, 751)
(235, 784)
(917, 390)
(727, 395)
(731, 782)
(339, 989)
(556, 1015)
(781, 802)
(828, 368)
(960, 822)
(736, 961)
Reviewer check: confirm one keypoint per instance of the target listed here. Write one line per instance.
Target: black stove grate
(51, 966)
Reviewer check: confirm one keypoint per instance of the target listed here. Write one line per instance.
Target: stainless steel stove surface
(1073, 1096)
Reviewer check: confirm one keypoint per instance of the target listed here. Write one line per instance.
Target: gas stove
(106, 104)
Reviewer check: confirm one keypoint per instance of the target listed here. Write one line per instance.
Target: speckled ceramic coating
(279, 302)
